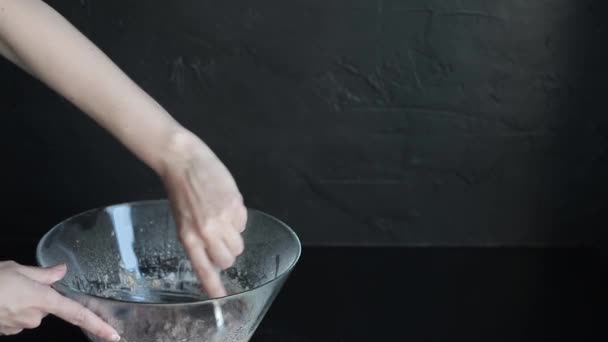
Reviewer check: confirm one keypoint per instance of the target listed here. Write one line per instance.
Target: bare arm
(42, 42)
(207, 204)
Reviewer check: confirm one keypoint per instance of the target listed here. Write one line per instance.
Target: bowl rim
(59, 285)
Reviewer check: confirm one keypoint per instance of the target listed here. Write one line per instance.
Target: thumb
(46, 276)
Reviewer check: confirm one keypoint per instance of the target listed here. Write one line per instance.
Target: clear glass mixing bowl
(126, 264)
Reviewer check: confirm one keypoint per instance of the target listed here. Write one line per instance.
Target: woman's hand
(207, 206)
(26, 297)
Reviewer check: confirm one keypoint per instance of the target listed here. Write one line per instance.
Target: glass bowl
(126, 264)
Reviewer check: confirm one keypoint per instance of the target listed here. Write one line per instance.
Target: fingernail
(115, 338)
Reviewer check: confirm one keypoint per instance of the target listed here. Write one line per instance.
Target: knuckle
(32, 323)
(242, 215)
(243, 211)
(189, 238)
(240, 247)
(80, 316)
(185, 217)
(239, 219)
(237, 200)
(207, 233)
(226, 261)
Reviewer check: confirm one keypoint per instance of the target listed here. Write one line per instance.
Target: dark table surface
(427, 294)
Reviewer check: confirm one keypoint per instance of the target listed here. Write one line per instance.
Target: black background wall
(413, 122)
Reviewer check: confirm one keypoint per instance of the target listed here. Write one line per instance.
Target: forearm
(10, 55)
(46, 45)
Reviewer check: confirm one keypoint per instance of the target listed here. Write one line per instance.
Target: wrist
(181, 149)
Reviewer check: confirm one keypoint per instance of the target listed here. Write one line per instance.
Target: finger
(9, 331)
(239, 220)
(234, 241)
(215, 246)
(220, 254)
(46, 276)
(74, 313)
(31, 319)
(206, 271)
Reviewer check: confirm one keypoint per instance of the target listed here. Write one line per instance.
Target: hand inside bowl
(208, 209)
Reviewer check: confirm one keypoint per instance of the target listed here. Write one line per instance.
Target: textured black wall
(357, 122)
